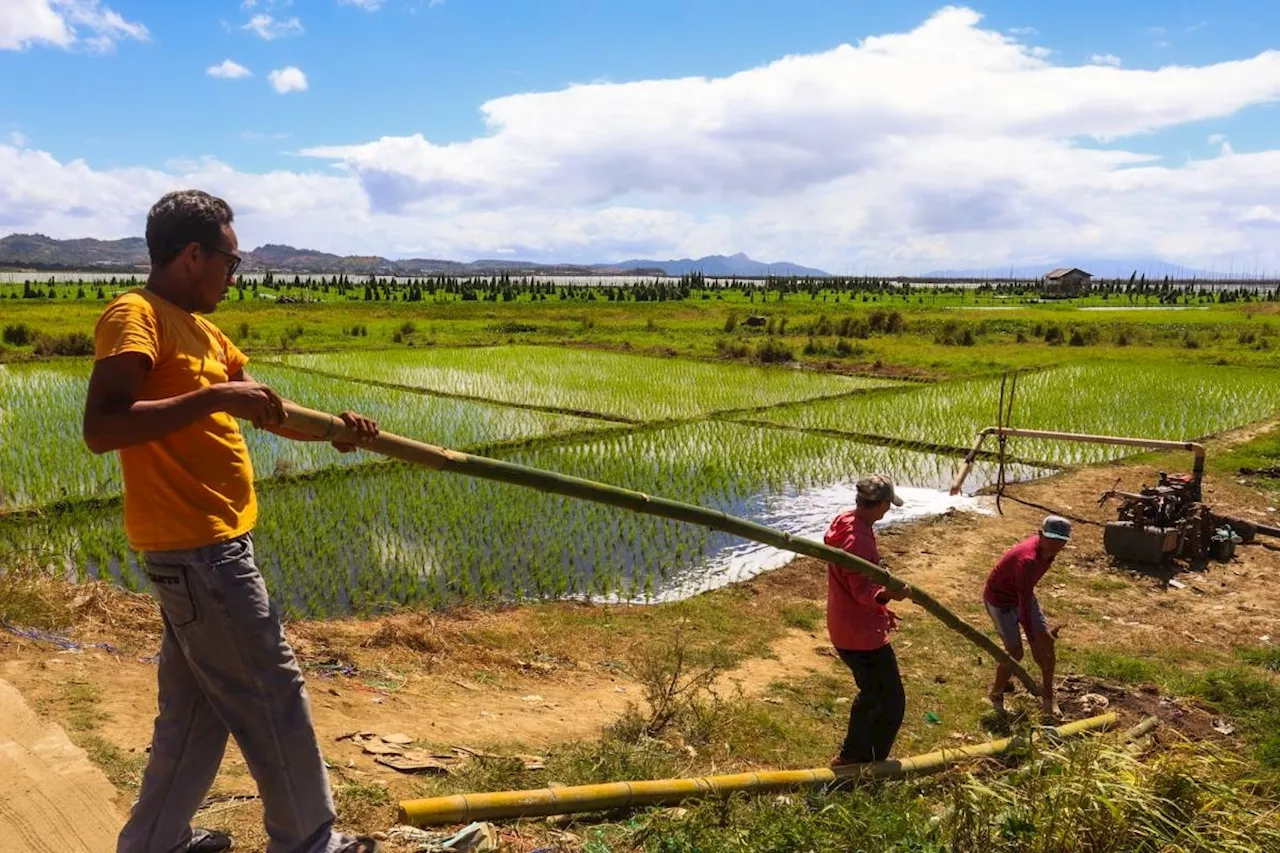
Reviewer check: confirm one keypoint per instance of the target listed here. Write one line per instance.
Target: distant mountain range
(723, 265)
(36, 251)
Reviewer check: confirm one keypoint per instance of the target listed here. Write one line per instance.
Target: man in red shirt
(859, 624)
(1010, 596)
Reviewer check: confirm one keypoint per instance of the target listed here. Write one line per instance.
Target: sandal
(209, 841)
(361, 844)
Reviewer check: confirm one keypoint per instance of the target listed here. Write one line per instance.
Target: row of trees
(507, 288)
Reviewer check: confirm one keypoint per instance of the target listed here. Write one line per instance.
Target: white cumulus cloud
(228, 69)
(1105, 59)
(948, 146)
(269, 28)
(66, 24)
(367, 5)
(288, 79)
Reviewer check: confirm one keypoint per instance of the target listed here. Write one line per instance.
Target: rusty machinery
(1168, 520)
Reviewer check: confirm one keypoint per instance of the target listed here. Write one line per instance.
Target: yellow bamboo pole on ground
(326, 427)
(540, 802)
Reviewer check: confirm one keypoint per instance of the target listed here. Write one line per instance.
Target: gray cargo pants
(226, 668)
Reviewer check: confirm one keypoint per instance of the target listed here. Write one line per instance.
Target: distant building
(1065, 283)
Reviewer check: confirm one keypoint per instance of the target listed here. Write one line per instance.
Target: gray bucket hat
(878, 488)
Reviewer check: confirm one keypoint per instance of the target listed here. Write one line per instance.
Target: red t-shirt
(855, 620)
(1012, 583)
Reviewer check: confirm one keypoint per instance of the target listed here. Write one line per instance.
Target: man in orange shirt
(166, 390)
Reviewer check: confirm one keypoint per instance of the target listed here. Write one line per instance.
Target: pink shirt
(855, 620)
(1012, 583)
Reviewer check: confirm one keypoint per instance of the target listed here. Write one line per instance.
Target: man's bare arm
(115, 418)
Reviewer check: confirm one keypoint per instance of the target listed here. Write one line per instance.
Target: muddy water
(808, 515)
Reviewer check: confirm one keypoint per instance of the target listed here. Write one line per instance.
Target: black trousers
(876, 715)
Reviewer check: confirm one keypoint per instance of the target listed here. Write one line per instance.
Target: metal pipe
(1151, 443)
(540, 802)
(328, 427)
(1116, 493)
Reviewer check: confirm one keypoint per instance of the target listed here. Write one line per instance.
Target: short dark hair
(866, 503)
(184, 217)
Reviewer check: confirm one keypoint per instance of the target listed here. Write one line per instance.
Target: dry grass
(30, 598)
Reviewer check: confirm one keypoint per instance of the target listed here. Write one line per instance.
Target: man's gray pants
(226, 668)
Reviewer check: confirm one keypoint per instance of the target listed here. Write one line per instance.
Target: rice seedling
(43, 458)
(358, 540)
(1168, 401)
(636, 387)
(42, 455)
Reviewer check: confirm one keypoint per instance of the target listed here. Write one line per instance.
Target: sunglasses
(236, 260)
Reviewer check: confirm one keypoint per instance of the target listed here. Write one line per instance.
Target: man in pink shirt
(1010, 596)
(859, 624)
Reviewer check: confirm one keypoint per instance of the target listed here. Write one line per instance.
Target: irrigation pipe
(1003, 432)
(328, 427)
(539, 802)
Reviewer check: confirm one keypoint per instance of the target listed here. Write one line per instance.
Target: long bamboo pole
(328, 427)
(539, 802)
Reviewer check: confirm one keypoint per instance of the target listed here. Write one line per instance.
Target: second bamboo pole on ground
(540, 802)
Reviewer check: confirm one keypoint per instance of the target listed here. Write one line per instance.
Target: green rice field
(775, 444)
(43, 459)
(641, 388)
(1165, 401)
(402, 534)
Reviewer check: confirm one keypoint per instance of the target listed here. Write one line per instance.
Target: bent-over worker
(1010, 597)
(859, 623)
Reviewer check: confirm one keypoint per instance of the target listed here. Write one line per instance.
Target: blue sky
(133, 92)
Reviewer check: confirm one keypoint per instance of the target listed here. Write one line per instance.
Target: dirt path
(54, 799)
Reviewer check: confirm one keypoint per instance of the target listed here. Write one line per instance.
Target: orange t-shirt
(194, 486)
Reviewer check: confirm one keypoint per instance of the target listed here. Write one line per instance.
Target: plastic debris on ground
(474, 838)
(393, 750)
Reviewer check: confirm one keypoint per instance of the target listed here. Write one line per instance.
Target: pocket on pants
(173, 593)
(238, 550)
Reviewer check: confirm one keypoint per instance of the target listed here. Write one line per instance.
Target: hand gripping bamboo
(331, 428)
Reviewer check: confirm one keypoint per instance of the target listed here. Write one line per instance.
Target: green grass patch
(1267, 657)
(1257, 455)
(932, 334)
(1103, 583)
(806, 617)
(123, 769)
(1252, 699)
(361, 804)
(81, 700)
(1112, 666)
